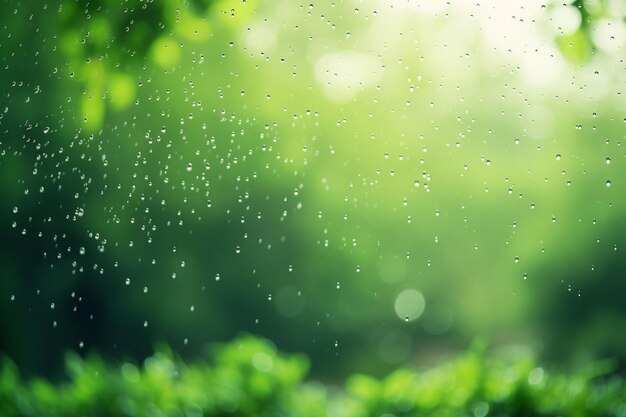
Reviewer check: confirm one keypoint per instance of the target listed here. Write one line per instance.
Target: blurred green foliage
(159, 29)
(579, 45)
(248, 377)
(184, 171)
(137, 28)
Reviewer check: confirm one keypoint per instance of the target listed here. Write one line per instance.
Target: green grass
(248, 377)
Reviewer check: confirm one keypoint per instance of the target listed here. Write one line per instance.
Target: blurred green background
(370, 183)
